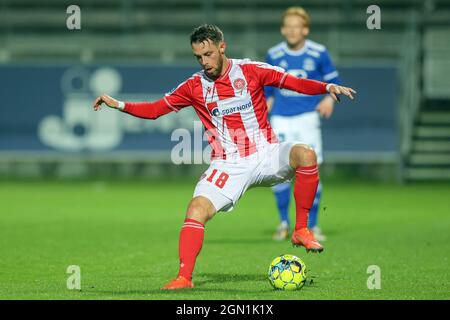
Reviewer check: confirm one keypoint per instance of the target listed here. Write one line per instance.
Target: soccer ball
(287, 272)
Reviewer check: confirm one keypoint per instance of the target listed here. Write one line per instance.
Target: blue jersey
(312, 62)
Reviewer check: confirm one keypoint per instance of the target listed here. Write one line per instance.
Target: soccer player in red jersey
(228, 97)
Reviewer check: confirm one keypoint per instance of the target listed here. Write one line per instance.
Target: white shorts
(304, 128)
(225, 181)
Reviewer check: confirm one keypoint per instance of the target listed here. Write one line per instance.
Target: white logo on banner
(99, 130)
(80, 128)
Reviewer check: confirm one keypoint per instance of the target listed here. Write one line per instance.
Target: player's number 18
(221, 179)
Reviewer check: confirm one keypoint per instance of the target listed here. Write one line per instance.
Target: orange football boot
(179, 283)
(304, 237)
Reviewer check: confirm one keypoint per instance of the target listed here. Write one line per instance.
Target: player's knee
(199, 210)
(196, 212)
(302, 155)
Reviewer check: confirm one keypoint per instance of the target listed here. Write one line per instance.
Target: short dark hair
(207, 32)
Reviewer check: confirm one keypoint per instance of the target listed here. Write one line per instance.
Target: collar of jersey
(295, 52)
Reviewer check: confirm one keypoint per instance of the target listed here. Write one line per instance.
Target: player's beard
(216, 72)
(219, 66)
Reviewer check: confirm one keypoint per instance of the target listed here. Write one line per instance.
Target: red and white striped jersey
(232, 108)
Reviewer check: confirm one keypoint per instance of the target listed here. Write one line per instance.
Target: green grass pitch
(124, 237)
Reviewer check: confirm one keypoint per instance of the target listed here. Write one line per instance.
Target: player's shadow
(203, 279)
(229, 277)
(239, 240)
(149, 294)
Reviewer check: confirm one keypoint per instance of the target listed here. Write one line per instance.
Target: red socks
(305, 187)
(191, 240)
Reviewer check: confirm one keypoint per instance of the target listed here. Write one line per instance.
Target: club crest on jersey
(309, 64)
(239, 84)
(215, 112)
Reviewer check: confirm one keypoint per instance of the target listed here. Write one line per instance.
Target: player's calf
(303, 159)
(199, 210)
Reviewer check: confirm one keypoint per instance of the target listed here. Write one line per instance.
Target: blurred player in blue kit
(296, 116)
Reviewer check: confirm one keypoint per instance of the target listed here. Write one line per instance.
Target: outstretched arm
(177, 99)
(275, 76)
(146, 110)
(313, 87)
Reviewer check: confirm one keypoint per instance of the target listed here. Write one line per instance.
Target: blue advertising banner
(49, 108)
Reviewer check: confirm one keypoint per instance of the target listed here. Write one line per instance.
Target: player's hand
(336, 90)
(326, 107)
(109, 101)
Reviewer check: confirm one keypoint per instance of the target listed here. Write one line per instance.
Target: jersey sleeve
(306, 86)
(328, 70)
(268, 90)
(147, 110)
(175, 100)
(180, 97)
(267, 74)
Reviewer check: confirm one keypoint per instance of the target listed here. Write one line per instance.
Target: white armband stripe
(330, 75)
